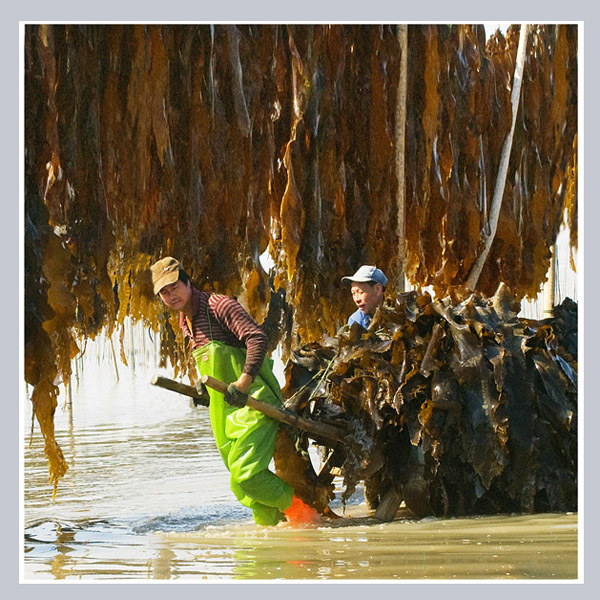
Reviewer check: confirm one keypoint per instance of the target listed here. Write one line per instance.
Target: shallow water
(146, 497)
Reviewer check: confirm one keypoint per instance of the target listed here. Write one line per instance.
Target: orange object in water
(299, 513)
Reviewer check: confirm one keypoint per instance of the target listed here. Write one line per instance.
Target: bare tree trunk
(400, 146)
(504, 159)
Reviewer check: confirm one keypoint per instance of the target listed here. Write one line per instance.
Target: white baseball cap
(367, 273)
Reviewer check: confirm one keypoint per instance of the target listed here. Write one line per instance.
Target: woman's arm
(232, 316)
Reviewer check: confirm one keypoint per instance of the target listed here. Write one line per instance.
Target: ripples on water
(146, 497)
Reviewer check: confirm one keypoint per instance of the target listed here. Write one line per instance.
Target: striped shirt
(223, 319)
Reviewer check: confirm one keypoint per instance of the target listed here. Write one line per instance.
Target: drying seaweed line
(88, 244)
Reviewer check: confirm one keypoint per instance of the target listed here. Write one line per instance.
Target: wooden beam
(400, 142)
(548, 289)
(180, 388)
(319, 431)
(504, 160)
(388, 508)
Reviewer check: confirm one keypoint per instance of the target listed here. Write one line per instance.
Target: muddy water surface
(147, 498)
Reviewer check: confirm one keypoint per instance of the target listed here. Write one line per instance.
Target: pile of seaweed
(467, 408)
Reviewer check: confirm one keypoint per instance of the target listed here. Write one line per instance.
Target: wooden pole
(548, 289)
(69, 392)
(504, 159)
(328, 434)
(143, 342)
(319, 430)
(388, 508)
(131, 347)
(402, 33)
(180, 388)
(112, 349)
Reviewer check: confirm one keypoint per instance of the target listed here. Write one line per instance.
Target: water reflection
(533, 547)
(160, 567)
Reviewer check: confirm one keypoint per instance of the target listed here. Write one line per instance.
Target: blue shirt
(361, 318)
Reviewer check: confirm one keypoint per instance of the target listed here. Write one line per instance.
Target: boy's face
(367, 296)
(176, 295)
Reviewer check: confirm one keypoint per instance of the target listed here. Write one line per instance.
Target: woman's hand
(243, 383)
(237, 392)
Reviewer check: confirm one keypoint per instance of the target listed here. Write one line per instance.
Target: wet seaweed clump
(457, 406)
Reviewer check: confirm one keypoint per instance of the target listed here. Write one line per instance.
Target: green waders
(245, 437)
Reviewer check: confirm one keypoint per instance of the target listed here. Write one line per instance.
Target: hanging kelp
(459, 91)
(216, 143)
(465, 408)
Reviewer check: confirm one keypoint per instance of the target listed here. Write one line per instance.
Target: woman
(229, 345)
